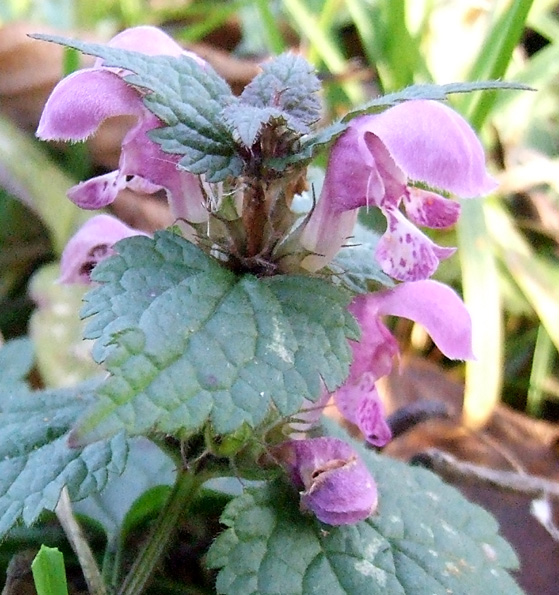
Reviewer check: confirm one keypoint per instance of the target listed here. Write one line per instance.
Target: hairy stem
(255, 218)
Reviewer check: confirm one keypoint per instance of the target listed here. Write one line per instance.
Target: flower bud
(334, 482)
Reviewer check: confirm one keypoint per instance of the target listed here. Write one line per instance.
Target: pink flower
(81, 102)
(430, 303)
(91, 244)
(334, 482)
(387, 160)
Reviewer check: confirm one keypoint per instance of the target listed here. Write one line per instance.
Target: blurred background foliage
(508, 264)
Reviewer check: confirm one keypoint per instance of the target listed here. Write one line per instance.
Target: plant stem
(79, 544)
(110, 569)
(184, 491)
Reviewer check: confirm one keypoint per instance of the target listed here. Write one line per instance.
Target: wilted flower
(81, 102)
(334, 482)
(392, 158)
(92, 243)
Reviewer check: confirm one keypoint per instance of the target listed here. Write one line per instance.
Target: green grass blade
(479, 268)
(536, 276)
(541, 370)
(324, 44)
(482, 296)
(274, 39)
(494, 59)
(325, 22)
(49, 573)
(39, 183)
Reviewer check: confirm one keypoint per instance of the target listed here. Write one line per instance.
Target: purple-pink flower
(334, 482)
(430, 303)
(91, 244)
(407, 155)
(81, 102)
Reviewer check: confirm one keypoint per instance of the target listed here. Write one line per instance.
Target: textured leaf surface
(426, 539)
(187, 341)
(186, 96)
(35, 461)
(288, 83)
(246, 122)
(356, 268)
(429, 91)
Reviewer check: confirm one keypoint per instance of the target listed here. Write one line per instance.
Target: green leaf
(425, 539)
(187, 96)
(147, 467)
(48, 572)
(35, 460)
(431, 92)
(247, 121)
(187, 341)
(356, 268)
(310, 145)
(16, 360)
(289, 83)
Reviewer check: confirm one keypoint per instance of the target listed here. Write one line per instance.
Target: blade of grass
(536, 277)
(479, 268)
(206, 17)
(494, 58)
(28, 173)
(325, 46)
(483, 299)
(274, 39)
(541, 370)
(402, 51)
(325, 22)
(49, 574)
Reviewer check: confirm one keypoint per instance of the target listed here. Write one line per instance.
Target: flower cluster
(394, 157)
(413, 155)
(81, 102)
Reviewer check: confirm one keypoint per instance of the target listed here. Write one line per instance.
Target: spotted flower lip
(81, 102)
(430, 303)
(91, 244)
(405, 156)
(334, 482)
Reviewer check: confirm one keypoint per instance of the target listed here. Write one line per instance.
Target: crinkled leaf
(247, 121)
(429, 91)
(425, 539)
(288, 83)
(186, 96)
(187, 341)
(35, 460)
